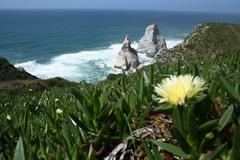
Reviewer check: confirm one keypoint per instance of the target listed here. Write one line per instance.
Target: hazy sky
(231, 6)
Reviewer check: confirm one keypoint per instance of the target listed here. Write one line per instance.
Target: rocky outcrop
(127, 59)
(210, 39)
(12, 79)
(168, 56)
(207, 40)
(151, 42)
(9, 72)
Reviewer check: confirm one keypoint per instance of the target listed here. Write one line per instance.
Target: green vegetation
(95, 118)
(86, 121)
(210, 39)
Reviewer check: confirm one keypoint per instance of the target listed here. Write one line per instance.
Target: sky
(225, 6)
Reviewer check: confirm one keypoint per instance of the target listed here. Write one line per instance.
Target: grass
(95, 118)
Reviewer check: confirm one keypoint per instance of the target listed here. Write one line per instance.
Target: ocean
(83, 44)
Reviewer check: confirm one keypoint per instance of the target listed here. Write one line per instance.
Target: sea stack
(127, 59)
(151, 42)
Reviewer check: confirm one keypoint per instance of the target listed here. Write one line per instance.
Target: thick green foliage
(86, 122)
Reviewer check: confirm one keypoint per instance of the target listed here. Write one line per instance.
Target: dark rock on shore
(12, 78)
(8, 72)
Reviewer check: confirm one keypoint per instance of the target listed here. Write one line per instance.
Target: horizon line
(119, 9)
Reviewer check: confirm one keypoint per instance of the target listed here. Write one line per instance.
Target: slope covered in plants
(208, 40)
(9, 72)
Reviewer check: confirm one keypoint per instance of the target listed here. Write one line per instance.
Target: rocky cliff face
(9, 72)
(127, 59)
(151, 42)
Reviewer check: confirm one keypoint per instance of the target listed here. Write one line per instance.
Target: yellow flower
(8, 117)
(175, 89)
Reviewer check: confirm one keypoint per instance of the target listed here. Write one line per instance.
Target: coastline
(70, 65)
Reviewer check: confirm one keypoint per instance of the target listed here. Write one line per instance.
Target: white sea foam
(172, 43)
(85, 65)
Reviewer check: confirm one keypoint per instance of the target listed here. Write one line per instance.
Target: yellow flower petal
(175, 89)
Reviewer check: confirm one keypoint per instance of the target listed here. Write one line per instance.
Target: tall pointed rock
(127, 59)
(151, 42)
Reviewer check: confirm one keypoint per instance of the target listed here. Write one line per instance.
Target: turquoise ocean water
(83, 44)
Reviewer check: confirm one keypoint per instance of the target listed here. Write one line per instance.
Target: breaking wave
(91, 66)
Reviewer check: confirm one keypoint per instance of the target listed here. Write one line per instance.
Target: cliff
(8, 72)
(12, 78)
(207, 40)
(211, 38)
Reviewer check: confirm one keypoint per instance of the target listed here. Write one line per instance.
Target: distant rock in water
(127, 59)
(8, 72)
(151, 42)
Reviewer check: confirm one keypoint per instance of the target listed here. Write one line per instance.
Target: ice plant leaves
(172, 149)
(225, 118)
(96, 117)
(19, 151)
(236, 144)
(208, 125)
(232, 92)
